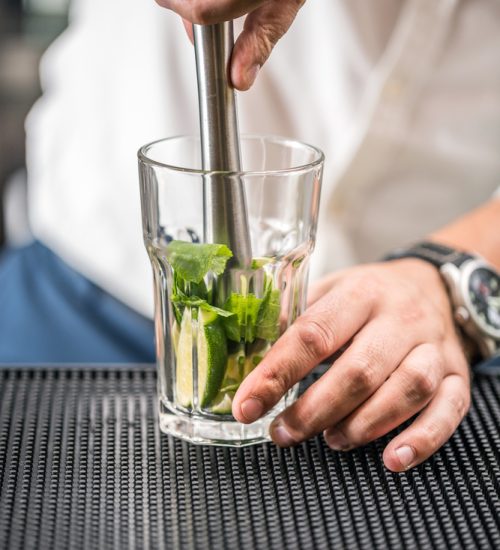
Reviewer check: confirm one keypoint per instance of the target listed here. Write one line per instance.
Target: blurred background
(27, 27)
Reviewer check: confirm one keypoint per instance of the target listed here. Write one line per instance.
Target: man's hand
(267, 21)
(401, 356)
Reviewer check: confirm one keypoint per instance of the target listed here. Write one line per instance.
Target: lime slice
(175, 336)
(256, 357)
(184, 360)
(235, 362)
(222, 405)
(212, 358)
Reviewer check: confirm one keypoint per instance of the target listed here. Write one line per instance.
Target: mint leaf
(242, 326)
(197, 289)
(232, 328)
(192, 261)
(230, 388)
(180, 299)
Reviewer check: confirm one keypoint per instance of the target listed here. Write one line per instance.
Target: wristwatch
(473, 287)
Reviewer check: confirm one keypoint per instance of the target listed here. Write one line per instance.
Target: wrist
(477, 231)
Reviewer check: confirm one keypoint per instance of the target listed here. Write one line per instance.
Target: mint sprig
(245, 316)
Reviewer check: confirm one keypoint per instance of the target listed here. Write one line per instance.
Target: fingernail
(336, 440)
(252, 409)
(281, 436)
(406, 455)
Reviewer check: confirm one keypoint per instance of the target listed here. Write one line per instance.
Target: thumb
(262, 29)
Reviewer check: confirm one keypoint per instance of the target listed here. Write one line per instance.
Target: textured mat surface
(83, 465)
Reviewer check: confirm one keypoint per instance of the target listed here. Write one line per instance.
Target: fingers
(208, 12)
(267, 21)
(407, 391)
(318, 333)
(373, 355)
(262, 30)
(433, 427)
(188, 26)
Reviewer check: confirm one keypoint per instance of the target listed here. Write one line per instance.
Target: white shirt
(403, 96)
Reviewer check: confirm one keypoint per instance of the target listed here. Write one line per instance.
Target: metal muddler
(226, 219)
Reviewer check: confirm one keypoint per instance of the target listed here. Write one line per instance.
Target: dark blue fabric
(50, 313)
(490, 367)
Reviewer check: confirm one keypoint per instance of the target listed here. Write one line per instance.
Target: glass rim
(320, 157)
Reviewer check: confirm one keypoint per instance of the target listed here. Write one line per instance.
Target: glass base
(205, 431)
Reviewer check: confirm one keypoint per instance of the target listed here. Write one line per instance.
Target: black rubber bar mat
(83, 465)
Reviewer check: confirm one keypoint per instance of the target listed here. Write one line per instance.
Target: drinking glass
(214, 319)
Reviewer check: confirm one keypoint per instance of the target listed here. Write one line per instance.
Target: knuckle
(422, 384)
(362, 374)
(304, 418)
(315, 337)
(201, 13)
(275, 379)
(273, 31)
(362, 430)
(268, 34)
(266, 39)
(422, 377)
(369, 429)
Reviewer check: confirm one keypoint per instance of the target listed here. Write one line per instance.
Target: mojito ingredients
(231, 340)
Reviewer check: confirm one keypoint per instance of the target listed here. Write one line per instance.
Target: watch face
(484, 296)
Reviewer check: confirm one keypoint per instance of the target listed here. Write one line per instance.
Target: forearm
(478, 231)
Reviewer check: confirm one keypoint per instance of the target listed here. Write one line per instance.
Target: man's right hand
(267, 21)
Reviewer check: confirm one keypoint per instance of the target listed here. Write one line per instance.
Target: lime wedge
(222, 405)
(175, 336)
(212, 358)
(256, 357)
(235, 364)
(184, 360)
